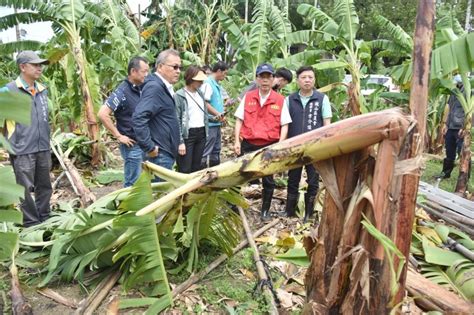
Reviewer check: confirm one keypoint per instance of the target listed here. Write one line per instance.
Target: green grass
(225, 283)
(433, 167)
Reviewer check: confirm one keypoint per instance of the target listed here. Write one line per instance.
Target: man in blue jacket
(31, 157)
(155, 121)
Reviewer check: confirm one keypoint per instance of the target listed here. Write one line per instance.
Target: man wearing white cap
(31, 156)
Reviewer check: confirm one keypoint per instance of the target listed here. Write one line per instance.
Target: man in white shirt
(261, 120)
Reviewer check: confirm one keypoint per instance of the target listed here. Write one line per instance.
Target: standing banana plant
(74, 22)
(337, 36)
(262, 40)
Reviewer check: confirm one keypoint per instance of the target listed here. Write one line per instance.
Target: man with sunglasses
(31, 156)
(155, 121)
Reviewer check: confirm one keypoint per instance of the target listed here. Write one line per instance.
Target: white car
(374, 79)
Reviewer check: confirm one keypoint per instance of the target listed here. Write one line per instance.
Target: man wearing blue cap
(262, 119)
(31, 156)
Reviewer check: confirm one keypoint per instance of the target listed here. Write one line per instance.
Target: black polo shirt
(123, 102)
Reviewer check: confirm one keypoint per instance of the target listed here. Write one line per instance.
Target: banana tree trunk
(343, 137)
(169, 25)
(91, 120)
(405, 208)
(354, 93)
(465, 161)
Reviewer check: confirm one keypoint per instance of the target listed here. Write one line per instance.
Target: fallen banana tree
(144, 229)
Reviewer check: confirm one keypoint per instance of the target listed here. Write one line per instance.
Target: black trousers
(32, 172)
(268, 182)
(452, 143)
(294, 177)
(191, 161)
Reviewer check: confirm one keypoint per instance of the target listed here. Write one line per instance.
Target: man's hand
(461, 133)
(182, 149)
(444, 130)
(153, 153)
(126, 140)
(237, 147)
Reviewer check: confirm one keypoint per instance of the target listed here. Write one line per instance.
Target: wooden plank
(448, 200)
(452, 197)
(434, 296)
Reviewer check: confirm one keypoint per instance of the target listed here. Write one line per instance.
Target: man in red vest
(262, 119)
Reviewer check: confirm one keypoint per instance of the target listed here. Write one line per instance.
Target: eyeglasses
(175, 67)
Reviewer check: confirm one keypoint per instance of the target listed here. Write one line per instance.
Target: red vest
(261, 125)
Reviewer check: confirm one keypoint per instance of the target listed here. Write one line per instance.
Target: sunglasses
(175, 67)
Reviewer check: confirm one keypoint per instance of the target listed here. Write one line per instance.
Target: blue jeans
(132, 157)
(164, 159)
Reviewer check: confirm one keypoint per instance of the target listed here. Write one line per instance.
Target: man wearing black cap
(31, 157)
(261, 120)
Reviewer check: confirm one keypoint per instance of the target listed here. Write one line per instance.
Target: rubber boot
(448, 166)
(308, 207)
(291, 202)
(266, 203)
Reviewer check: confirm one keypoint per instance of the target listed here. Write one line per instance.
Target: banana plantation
(393, 224)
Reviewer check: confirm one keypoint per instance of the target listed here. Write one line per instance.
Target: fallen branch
(19, 304)
(438, 214)
(453, 244)
(87, 197)
(66, 171)
(92, 302)
(451, 214)
(55, 296)
(198, 276)
(262, 275)
(431, 296)
(56, 182)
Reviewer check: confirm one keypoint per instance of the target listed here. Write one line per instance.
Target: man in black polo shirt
(122, 103)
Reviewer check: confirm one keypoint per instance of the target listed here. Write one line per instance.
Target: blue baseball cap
(264, 68)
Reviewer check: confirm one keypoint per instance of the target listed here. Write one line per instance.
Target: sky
(42, 31)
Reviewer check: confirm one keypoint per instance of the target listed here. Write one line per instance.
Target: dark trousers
(212, 150)
(268, 182)
(191, 161)
(32, 172)
(294, 177)
(452, 143)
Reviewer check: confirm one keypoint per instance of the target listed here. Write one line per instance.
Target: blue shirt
(123, 102)
(212, 93)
